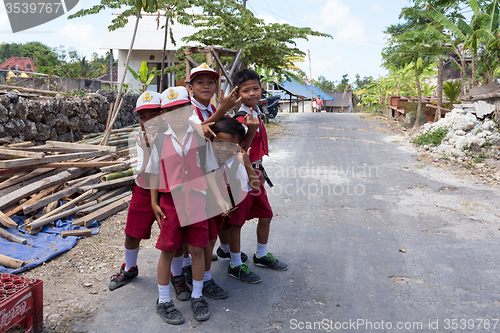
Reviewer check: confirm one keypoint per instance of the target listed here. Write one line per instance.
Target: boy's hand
(158, 213)
(224, 206)
(207, 131)
(244, 157)
(145, 141)
(252, 122)
(230, 101)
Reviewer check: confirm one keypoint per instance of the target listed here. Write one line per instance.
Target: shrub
(431, 138)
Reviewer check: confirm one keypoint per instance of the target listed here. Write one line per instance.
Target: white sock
(261, 250)
(207, 276)
(186, 261)
(131, 258)
(176, 266)
(164, 292)
(224, 247)
(197, 287)
(236, 259)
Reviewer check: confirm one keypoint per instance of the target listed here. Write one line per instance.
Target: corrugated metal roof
(338, 99)
(303, 90)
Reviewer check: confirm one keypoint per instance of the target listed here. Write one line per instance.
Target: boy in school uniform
(183, 175)
(237, 174)
(140, 217)
(250, 92)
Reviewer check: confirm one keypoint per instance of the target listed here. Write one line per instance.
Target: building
(148, 46)
(299, 95)
(336, 104)
(24, 64)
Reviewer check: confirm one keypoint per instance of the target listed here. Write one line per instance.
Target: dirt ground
(76, 282)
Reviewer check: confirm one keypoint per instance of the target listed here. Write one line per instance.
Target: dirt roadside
(76, 282)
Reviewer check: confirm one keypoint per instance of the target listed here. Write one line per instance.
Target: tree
(324, 84)
(144, 75)
(341, 86)
(229, 24)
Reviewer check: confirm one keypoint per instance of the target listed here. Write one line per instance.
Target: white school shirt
(204, 109)
(245, 108)
(155, 159)
(241, 173)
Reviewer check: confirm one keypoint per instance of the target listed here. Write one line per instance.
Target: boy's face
(177, 117)
(148, 121)
(225, 146)
(203, 87)
(250, 92)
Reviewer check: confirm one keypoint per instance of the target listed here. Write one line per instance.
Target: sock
(261, 250)
(176, 266)
(197, 287)
(207, 276)
(131, 258)
(224, 247)
(164, 292)
(186, 261)
(236, 259)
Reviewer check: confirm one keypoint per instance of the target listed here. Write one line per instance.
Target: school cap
(174, 96)
(203, 69)
(148, 100)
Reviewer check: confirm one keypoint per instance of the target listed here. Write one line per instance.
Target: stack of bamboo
(94, 180)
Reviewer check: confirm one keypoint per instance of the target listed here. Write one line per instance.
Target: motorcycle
(269, 106)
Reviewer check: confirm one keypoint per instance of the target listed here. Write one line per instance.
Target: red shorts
(259, 204)
(140, 216)
(237, 216)
(212, 228)
(172, 235)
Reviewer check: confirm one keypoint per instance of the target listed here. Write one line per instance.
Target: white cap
(203, 69)
(174, 96)
(148, 100)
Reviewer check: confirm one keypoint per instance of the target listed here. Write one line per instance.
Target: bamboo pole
(117, 175)
(34, 199)
(69, 204)
(10, 262)
(12, 238)
(110, 184)
(104, 212)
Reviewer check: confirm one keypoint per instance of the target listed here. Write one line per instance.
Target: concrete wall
(56, 84)
(303, 106)
(61, 118)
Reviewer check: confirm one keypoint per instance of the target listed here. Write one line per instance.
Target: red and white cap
(148, 100)
(203, 69)
(174, 96)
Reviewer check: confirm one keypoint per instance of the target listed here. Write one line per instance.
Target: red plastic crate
(21, 302)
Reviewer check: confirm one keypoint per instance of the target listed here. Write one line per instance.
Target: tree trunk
(117, 104)
(439, 90)
(419, 102)
(162, 83)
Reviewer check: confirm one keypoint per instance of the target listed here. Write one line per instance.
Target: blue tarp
(304, 90)
(41, 247)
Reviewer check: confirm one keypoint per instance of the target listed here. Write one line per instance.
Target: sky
(356, 27)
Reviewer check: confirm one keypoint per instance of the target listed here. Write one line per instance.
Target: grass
(431, 138)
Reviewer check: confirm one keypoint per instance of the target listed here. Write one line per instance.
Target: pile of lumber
(95, 181)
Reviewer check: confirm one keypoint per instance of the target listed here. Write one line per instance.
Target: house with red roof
(24, 64)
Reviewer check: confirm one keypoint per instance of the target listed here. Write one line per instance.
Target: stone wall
(61, 118)
(56, 83)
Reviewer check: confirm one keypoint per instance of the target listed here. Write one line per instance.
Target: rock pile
(465, 130)
(61, 118)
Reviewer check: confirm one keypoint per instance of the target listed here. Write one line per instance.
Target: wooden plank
(104, 212)
(109, 185)
(69, 204)
(113, 193)
(13, 188)
(61, 165)
(77, 233)
(17, 180)
(12, 238)
(32, 207)
(33, 199)
(7, 221)
(59, 144)
(41, 222)
(193, 62)
(21, 144)
(98, 205)
(49, 159)
(10, 262)
(40, 185)
(21, 153)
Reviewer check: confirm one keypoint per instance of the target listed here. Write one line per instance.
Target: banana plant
(144, 75)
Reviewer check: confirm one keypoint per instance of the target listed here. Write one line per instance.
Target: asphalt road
(375, 241)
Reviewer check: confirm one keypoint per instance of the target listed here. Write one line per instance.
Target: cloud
(335, 14)
(270, 19)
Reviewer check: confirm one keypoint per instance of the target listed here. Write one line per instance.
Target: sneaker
(169, 313)
(269, 261)
(224, 255)
(212, 290)
(200, 308)
(181, 288)
(120, 279)
(214, 257)
(188, 274)
(243, 273)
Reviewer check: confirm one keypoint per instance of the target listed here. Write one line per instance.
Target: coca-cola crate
(21, 302)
